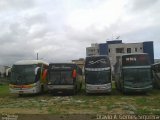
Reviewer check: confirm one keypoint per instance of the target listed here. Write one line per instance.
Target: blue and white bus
(98, 74)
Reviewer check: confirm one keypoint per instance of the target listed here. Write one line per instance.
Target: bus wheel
(74, 92)
(87, 93)
(123, 91)
(116, 86)
(42, 89)
(80, 86)
(20, 95)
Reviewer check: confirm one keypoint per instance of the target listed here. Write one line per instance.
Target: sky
(60, 30)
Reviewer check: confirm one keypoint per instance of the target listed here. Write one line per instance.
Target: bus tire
(20, 95)
(80, 86)
(42, 89)
(86, 93)
(74, 92)
(116, 86)
(123, 91)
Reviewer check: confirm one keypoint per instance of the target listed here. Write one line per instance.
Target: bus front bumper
(105, 88)
(60, 88)
(140, 89)
(24, 91)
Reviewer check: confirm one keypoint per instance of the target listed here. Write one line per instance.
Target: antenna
(37, 56)
(117, 37)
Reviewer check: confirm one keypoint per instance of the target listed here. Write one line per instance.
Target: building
(93, 50)
(80, 62)
(156, 60)
(3, 70)
(114, 49)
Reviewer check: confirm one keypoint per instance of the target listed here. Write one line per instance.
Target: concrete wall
(93, 50)
(113, 55)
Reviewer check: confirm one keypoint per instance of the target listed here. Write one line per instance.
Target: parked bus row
(133, 73)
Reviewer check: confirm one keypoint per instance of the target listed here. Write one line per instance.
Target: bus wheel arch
(42, 89)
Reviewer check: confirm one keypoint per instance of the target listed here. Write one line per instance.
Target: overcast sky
(60, 30)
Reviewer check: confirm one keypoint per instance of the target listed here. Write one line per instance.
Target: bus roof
(72, 65)
(134, 54)
(29, 62)
(156, 63)
(62, 63)
(97, 56)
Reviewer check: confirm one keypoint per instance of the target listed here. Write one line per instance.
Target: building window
(119, 50)
(141, 48)
(128, 50)
(109, 50)
(135, 49)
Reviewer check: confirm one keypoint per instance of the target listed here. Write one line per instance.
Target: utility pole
(37, 56)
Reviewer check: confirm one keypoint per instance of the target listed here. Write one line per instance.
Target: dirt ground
(80, 107)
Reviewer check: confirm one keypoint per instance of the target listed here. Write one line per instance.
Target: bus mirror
(74, 73)
(36, 70)
(44, 76)
(8, 71)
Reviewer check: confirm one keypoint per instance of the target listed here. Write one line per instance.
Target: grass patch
(83, 104)
(141, 101)
(4, 90)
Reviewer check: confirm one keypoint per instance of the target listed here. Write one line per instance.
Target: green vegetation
(80, 104)
(4, 90)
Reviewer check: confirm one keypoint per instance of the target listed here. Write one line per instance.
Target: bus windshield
(97, 62)
(137, 75)
(97, 77)
(23, 74)
(61, 77)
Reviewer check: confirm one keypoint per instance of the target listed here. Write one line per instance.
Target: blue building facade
(103, 49)
(148, 48)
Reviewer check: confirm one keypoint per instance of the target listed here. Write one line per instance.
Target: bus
(64, 78)
(98, 74)
(28, 77)
(156, 75)
(133, 73)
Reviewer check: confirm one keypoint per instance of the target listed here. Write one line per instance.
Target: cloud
(15, 4)
(142, 5)
(61, 30)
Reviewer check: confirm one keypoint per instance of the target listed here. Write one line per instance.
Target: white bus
(28, 77)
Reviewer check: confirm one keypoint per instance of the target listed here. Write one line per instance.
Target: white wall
(93, 50)
(112, 54)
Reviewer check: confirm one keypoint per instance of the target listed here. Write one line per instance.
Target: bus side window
(38, 75)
